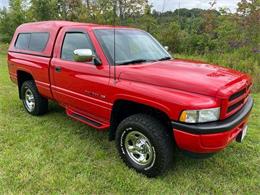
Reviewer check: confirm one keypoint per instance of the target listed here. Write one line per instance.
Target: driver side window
(73, 41)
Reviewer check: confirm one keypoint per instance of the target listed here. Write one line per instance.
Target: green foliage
(42, 10)
(10, 19)
(169, 35)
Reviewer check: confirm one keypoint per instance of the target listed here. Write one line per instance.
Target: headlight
(200, 116)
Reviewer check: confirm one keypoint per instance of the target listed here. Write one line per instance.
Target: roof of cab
(51, 25)
(57, 24)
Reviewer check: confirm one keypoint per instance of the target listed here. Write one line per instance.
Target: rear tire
(144, 144)
(33, 102)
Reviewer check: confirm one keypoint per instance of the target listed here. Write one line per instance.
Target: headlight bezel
(200, 116)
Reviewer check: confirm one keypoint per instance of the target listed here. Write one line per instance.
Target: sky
(3, 3)
(166, 5)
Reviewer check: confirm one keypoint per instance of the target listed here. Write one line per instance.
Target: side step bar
(86, 120)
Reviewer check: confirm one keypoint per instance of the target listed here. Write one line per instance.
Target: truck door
(82, 87)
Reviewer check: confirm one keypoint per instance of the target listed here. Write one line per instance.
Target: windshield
(132, 46)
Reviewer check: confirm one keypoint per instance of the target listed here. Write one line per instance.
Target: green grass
(54, 154)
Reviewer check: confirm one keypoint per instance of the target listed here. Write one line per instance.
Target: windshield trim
(110, 58)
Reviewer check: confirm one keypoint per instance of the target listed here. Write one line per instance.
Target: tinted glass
(32, 41)
(22, 41)
(38, 41)
(130, 45)
(73, 41)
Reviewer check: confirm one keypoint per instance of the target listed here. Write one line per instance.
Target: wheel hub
(139, 148)
(29, 100)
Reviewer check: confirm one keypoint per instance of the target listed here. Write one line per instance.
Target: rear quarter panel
(37, 66)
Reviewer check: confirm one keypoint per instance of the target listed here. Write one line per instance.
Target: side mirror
(166, 48)
(83, 55)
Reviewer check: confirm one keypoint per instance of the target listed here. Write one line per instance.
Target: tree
(10, 19)
(71, 10)
(43, 10)
(17, 12)
(5, 28)
(147, 21)
(169, 35)
(249, 20)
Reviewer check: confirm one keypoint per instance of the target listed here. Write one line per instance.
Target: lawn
(55, 154)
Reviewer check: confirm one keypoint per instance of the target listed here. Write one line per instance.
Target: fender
(144, 101)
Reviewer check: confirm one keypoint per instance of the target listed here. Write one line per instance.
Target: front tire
(33, 102)
(144, 144)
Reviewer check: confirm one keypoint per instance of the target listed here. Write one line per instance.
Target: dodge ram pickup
(123, 80)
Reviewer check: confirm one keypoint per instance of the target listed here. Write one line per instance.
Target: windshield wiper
(142, 61)
(133, 61)
(165, 58)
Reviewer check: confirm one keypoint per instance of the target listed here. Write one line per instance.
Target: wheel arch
(123, 108)
(23, 76)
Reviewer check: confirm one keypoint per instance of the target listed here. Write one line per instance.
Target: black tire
(40, 103)
(160, 141)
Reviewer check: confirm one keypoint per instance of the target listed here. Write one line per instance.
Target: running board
(86, 120)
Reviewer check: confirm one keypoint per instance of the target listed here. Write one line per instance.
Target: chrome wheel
(139, 148)
(29, 100)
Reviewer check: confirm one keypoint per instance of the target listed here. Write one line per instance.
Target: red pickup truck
(122, 80)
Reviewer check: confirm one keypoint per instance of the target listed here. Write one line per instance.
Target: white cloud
(166, 5)
(3, 3)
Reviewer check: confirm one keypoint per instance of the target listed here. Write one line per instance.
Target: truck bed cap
(55, 24)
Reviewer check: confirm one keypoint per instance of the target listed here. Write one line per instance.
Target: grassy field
(54, 154)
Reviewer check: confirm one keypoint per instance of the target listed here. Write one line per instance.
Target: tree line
(231, 39)
(92, 11)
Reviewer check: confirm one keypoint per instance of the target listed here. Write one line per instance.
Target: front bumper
(211, 137)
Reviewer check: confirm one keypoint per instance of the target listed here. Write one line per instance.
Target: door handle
(57, 68)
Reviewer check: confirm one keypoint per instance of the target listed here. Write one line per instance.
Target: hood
(190, 76)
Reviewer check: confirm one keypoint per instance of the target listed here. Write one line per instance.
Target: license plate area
(240, 137)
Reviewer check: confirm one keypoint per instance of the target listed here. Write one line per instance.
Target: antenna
(115, 1)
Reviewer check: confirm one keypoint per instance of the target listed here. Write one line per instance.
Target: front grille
(236, 101)
(234, 106)
(238, 94)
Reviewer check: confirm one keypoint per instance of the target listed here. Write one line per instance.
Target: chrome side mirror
(166, 48)
(83, 55)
